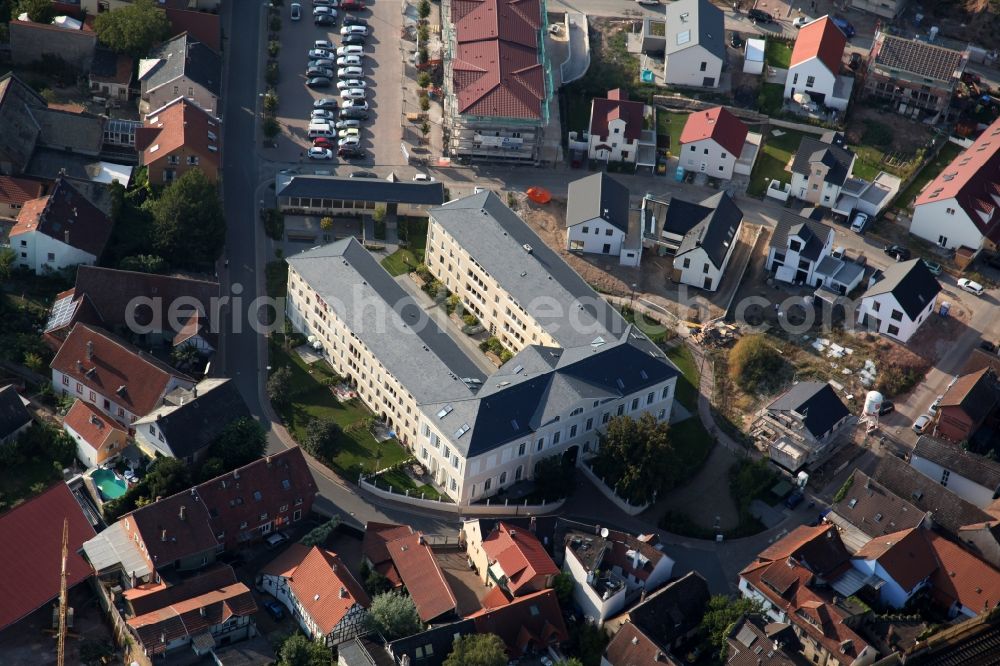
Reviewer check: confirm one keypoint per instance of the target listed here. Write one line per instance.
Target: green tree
(326, 223)
(297, 650)
(279, 386)
(477, 650)
(572, 661)
(394, 615)
(38, 11)
(185, 357)
(240, 443)
(319, 437)
(720, 615)
(424, 79)
(424, 9)
(188, 220)
(563, 584)
(271, 127)
(33, 361)
(587, 642)
(7, 257)
(375, 584)
(636, 457)
(165, 477)
(133, 28)
(317, 536)
(143, 263)
(554, 477)
(755, 364)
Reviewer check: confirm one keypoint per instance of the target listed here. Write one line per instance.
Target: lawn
(687, 383)
(311, 398)
(405, 259)
(778, 54)
(401, 482)
(771, 163)
(653, 329)
(673, 124)
(949, 152)
(24, 481)
(276, 277)
(771, 98)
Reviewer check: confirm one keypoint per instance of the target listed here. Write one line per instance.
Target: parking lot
(382, 65)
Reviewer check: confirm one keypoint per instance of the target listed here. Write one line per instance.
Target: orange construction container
(539, 195)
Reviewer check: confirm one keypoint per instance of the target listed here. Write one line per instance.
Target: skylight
(683, 37)
(462, 430)
(445, 411)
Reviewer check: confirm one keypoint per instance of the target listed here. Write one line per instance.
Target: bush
(279, 386)
(424, 9)
(271, 103)
(274, 223)
(275, 24)
(273, 48)
(895, 380)
(422, 55)
(423, 33)
(319, 438)
(425, 102)
(470, 320)
(271, 128)
(424, 80)
(842, 492)
(272, 75)
(756, 365)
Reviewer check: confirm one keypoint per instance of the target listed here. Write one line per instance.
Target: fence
(622, 504)
(488, 509)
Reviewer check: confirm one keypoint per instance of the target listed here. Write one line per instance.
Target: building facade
(901, 301)
(695, 48)
(916, 77)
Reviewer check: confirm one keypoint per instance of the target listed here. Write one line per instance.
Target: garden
(413, 240)
(779, 148)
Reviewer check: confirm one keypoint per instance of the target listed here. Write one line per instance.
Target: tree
(554, 478)
(424, 79)
(33, 361)
(297, 650)
(319, 437)
(636, 457)
(271, 127)
(318, 535)
(133, 28)
(143, 263)
(755, 364)
(425, 129)
(563, 585)
(394, 615)
(185, 357)
(326, 223)
(477, 650)
(38, 11)
(279, 386)
(720, 615)
(424, 9)
(188, 220)
(7, 257)
(165, 477)
(240, 443)
(572, 661)
(375, 584)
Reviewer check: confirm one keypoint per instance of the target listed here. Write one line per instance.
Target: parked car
(794, 499)
(933, 267)
(296, 11)
(349, 61)
(347, 124)
(323, 142)
(320, 153)
(353, 113)
(323, 114)
(313, 72)
(326, 103)
(275, 539)
(353, 40)
(897, 252)
(350, 131)
(320, 54)
(801, 21)
(735, 40)
(350, 152)
(354, 29)
(351, 50)
(935, 405)
(324, 44)
(355, 104)
(363, 174)
(324, 11)
(275, 610)
(352, 5)
(325, 3)
(423, 178)
(322, 62)
(838, 252)
(648, 2)
(319, 82)
(859, 222)
(888, 407)
(759, 16)
(353, 72)
(353, 93)
(349, 141)
(351, 83)
(970, 286)
(845, 27)
(324, 20)
(986, 345)
(354, 20)
(920, 425)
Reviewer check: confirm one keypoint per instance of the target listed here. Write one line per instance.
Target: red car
(352, 5)
(323, 142)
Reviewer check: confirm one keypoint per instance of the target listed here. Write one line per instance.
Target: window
(607, 232)
(649, 397)
(520, 449)
(518, 473)
(51, 256)
(572, 431)
(687, 263)
(423, 453)
(721, 168)
(541, 443)
(876, 305)
(704, 269)
(635, 404)
(794, 245)
(555, 438)
(795, 79)
(454, 486)
(586, 230)
(706, 151)
(605, 417)
(486, 486)
(192, 160)
(24, 243)
(621, 409)
(810, 81)
(950, 211)
(892, 330)
(243, 525)
(263, 517)
(693, 149)
(704, 66)
(944, 476)
(284, 508)
(503, 478)
(65, 381)
(666, 392)
(896, 315)
(590, 425)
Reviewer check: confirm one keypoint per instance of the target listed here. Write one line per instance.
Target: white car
(801, 21)
(970, 286)
(323, 114)
(353, 93)
(935, 405)
(318, 153)
(319, 11)
(350, 72)
(349, 141)
(349, 61)
(351, 83)
(355, 104)
(423, 178)
(351, 50)
(354, 30)
(317, 54)
(350, 123)
(296, 10)
(920, 425)
(349, 132)
(325, 44)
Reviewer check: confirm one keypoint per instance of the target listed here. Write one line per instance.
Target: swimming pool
(110, 485)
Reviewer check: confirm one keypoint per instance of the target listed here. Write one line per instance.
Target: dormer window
(794, 245)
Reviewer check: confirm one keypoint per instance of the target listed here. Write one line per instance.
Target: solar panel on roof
(62, 312)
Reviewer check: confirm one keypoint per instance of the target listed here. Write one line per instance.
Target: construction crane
(63, 600)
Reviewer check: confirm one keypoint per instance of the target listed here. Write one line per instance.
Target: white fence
(506, 508)
(778, 190)
(622, 504)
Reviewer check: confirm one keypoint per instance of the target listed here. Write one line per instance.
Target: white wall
(84, 451)
(586, 597)
(798, 77)
(886, 304)
(750, 592)
(699, 268)
(630, 257)
(591, 237)
(965, 488)
(617, 143)
(180, 87)
(946, 218)
(116, 411)
(33, 249)
(792, 257)
(826, 196)
(684, 67)
(891, 593)
(708, 157)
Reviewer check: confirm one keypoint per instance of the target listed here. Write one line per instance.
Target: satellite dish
(604, 533)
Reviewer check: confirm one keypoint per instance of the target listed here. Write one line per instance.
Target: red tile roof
(905, 555)
(67, 216)
(820, 39)
(202, 26)
(373, 545)
(18, 191)
(970, 179)
(495, 598)
(528, 623)
(496, 69)
(631, 647)
(718, 124)
(616, 106)
(92, 425)
(418, 569)
(325, 588)
(112, 364)
(962, 576)
(521, 556)
(182, 124)
(32, 551)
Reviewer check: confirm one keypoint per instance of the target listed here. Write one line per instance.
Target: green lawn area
(778, 54)
(673, 124)
(949, 152)
(653, 329)
(276, 276)
(771, 98)
(692, 444)
(311, 398)
(16, 483)
(864, 168)
(687, 384)
(777, 152)
(401, 482)
(405, 259)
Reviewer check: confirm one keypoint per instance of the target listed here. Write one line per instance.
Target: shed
(753, 57)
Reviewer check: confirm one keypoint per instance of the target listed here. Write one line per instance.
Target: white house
(712, 142)
(695, 44)
(898, 580)
(974, 478)
(59, 230)
(959, 207)
(319, 591)
(797, 247)
(704, 253)
(181, 67)
(815, 65)
(902, 300)
(820, 169)
(802, 426)
(98, 437)
(616, 129)
(598, 219)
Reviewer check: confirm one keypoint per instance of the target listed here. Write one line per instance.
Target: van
(321, 129)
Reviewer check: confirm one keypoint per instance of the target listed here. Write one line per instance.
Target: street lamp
(631, 300)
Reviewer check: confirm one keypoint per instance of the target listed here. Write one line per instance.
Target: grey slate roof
(704, 23)
(817, 402)
(388, 321)
(440, 638)
(910, 282)
(814, 234)
(183, 56)
(496, 238)
(362, 189)
(874, 509)
(674, 610)
(972, 466)
(716, 232)
(192, 425)
(598, 195)
(13, 413)
(834, 156)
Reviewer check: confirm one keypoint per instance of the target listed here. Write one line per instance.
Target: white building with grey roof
(704, 253)
(599, 219)
(577, 363)
(901, 301)
(695, 44)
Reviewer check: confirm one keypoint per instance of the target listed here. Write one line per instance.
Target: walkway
(578, 61)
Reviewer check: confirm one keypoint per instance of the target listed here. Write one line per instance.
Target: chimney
(236, 474)
(66, 237)
(420, 539)
(180, 514)
(90, 350)
(635, 640)
(79, 366)
(533, 525)
(343, 592)
(163, 535)
(513, 533)
(201, 611)
(597, 529)
(159, 497)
